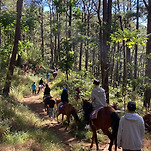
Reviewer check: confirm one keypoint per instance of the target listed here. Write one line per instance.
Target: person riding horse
(106, 119)
(47, 90)
(41, 85)
(64, 98)
(98, 99)
(46, 96)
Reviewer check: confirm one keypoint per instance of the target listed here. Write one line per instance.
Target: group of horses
(107, 120)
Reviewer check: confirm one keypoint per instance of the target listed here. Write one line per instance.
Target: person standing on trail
(131, 130)
(98, 98)
(50, 102)
(34, 88)
(47, 76)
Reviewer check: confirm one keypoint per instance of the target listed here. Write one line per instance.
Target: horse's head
(58, 100)
(86, 105)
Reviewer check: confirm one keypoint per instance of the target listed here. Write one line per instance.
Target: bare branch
(147, 7)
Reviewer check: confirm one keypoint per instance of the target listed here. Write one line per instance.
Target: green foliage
(60, 7)
(81, 27)
(7, 23)
(7, 19)
(23, 45)
(77, 13)
(31, 56)
(29, 21)
(66, 56)
(131, 38)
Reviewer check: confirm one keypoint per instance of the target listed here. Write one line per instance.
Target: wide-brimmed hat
(131, 105)
(96, 82)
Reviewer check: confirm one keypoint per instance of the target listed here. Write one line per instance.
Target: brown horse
(68, 110)
(106, 118)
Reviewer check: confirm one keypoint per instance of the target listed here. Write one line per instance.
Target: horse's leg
(111, 144)
(108, 133)
(62, 118)
(68, 119)
(94, 137)
(57, 116)
(96, 141)
(115, 142)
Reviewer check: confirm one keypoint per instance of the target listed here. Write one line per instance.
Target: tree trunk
(70, 20)
(51, 42)
(136, 47)
(80, 57)
(104, 65)
(58, 52)
(0, 27)
(100, 36)
(87, 43)
(7, 85)
(147, 94)
(42, 31)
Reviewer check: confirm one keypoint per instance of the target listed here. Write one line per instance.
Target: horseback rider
(46, 96)
(41, 85)
(98, 98)
(64, 98)
(47, 90)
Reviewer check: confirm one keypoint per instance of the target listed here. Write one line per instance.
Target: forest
(108, 40)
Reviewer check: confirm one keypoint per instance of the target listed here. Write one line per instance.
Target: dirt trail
(36, 105)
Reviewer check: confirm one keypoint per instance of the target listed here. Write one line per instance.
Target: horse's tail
(74, 113)
(115, 124)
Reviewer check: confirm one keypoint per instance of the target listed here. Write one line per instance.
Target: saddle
(94, 113)
(62, 106)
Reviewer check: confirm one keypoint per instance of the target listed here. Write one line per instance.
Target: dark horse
(68, 110)
(107, 118)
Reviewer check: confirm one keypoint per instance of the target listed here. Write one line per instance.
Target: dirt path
(36, 105)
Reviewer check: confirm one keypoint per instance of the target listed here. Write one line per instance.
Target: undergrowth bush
(19, 125)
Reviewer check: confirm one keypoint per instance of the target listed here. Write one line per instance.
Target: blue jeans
(51, 112)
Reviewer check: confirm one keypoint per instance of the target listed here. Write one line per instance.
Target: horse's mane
(87, 107)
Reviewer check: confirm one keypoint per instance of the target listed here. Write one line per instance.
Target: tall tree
(51, 36)
(0, 27)
(147, 94)
(41, 13)
(107, 7)
(7, 85)
(136, 46)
